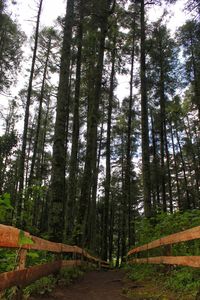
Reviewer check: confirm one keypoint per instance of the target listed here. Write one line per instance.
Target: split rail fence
(167, 242)
(22, 276)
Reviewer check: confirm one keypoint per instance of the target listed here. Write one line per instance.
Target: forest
(82, 161)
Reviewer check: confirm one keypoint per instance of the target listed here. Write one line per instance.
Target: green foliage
(7, 260)
(47, 284)
(179, 278)
(39, 257)
(184, 279)
(68, 275)
(141, 272)
(24, 240)
(7, 142)
(9, 294)
(41, 286)
(11, 53)
(5, 206)
(164, 224)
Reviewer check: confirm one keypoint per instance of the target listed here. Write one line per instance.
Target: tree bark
(26, 123)
(93, 118)
(176, 169)
(41, 98)
(108, 166)
(58, 187)
(146, 175)
(73, 164)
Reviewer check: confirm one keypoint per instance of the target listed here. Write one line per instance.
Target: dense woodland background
(89, 169)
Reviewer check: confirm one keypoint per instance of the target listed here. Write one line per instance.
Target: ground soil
(111, 285)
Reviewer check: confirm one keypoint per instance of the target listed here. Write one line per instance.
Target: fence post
(21, 264)
(82, 259)
(59, 257)
(75, 259)
(168, 252)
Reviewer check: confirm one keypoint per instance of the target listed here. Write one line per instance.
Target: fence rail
(183, 236)
(22, 276)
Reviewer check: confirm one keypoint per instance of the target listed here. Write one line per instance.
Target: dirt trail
(96, 285)
(112, 285)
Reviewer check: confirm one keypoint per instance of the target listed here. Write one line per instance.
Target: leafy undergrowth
(184, 281)
(46, 284)
(158, 282)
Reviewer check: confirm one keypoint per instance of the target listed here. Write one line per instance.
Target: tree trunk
(26, 121)
(93, 118)
(108, 166)
(168, 170)
(162, 138)
(146, 175)
(194, 161)
(176, 168)
(156, 203)
(59, 151)
(186, 202)
(92, 208)
(73, 164)
(41, 98)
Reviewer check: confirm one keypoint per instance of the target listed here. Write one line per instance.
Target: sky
(26, 11)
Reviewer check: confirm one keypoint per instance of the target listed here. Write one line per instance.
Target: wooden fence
(22, 276)
(167, 242)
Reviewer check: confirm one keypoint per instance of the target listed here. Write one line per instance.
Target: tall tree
(26, 119)
(101, 19)
(190, 40)
(73, 163)
(162, 65)
(146, 175)
(59, 156)
(108, 148)
(11, 40)
(46, 37)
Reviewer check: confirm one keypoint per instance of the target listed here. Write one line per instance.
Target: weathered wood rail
(22, 276)
(167, 242)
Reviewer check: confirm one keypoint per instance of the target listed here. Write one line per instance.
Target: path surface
(112, 285)
(96, 285)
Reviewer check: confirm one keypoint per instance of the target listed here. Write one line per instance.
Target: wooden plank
(104, 262)
(68, 249)
(105, 266)
(41, 244)
(78, 250)
(70, 263)
(26, 276)
(9, 237)
(190, 261)
(183, 236)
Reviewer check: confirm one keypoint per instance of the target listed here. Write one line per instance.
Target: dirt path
(103, 285)
(112, 285)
